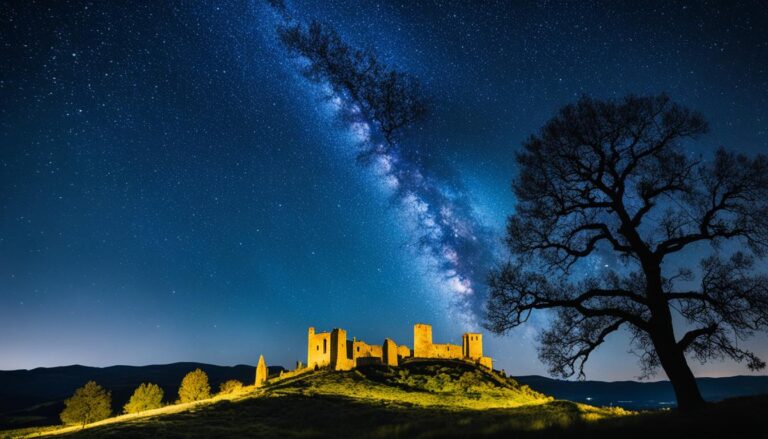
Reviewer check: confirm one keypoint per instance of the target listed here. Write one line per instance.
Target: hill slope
(420, 399)
(436, 383)
(35, 397)
(374, 400)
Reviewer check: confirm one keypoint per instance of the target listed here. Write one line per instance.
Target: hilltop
(426, 383)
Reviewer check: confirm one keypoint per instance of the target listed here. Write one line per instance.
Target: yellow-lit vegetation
(147, 396)
(90, 403)
(433, 388)
(194, 387)
(230, 387)
(422, 383)
(418, 399)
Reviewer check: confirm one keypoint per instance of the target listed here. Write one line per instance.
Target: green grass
(421, 400)
(426, 383)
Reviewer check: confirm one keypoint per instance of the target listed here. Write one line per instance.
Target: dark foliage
(610, 177)
(391, 99)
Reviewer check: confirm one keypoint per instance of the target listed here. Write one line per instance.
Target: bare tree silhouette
(611, 176)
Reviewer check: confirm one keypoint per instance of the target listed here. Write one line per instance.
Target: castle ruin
(334, 350)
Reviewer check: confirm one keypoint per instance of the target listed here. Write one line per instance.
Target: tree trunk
(680, 376)
(671, 356)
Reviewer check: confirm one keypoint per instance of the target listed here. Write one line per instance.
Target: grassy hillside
(36, 397)
(425, 383)
(421, 399)
(417, 398)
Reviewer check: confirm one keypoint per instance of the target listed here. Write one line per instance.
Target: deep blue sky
(172, 190)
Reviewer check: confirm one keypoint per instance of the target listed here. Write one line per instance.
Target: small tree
(147, 396)
(90, 403)
(194, 387)
(231, 386)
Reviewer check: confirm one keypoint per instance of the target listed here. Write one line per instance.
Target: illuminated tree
(609, 181)
(147, 396)
(231, 386)
(194, 387)
(90, 403)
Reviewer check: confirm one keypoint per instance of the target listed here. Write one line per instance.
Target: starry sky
(173, 189)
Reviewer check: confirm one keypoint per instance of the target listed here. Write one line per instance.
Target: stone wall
(334, 350)
(452, 351)
(389, 351)
(318, 349)
(422, 340)
(472, 344)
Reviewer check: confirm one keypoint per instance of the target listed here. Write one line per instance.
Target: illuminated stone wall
(422, 340)
(389, 354)
(318, 349)
(472, 344)
(334, 350)
(450, 351)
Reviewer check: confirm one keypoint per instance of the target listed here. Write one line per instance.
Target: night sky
(173, 189)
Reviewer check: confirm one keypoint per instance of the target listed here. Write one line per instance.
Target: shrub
(231, 386)
(147, 396)
(90, 403)
(194, 387)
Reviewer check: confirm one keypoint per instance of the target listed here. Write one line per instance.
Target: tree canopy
(147, 396)
(90, 403)
(194, 387)
(610, 181)
(230, 386)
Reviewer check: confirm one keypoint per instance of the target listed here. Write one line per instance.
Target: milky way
(454, 247)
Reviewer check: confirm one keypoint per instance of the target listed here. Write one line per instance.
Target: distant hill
(643, 395)
(37, 395)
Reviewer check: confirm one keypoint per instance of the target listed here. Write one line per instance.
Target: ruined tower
(318, 348)
(422, 340)
(472, 345)
(339, 352)
(389, 353)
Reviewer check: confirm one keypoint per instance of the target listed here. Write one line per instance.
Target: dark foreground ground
(420, 399)
(321, 416)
